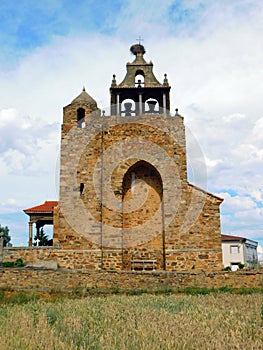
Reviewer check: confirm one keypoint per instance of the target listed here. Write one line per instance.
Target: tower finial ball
(137, 48)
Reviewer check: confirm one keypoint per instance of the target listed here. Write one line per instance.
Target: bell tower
(125, 202)
(139, 92)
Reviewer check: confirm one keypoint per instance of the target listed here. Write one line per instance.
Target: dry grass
(215, 321)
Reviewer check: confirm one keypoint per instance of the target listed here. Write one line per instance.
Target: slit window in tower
(81, 117)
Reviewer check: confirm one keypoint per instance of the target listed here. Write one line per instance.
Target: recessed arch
(149, 171)
(142, 202)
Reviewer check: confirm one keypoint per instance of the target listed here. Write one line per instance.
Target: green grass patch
(223, 289)
(9, 296)
(17, 263)
(17, 298)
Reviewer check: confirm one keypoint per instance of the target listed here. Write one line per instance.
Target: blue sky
(211, 51)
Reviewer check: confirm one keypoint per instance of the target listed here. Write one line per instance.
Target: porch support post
(30, 242)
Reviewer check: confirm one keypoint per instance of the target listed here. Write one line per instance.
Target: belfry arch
(139, 78)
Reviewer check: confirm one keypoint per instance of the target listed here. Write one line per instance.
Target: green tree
(43, 238)
(6, 236)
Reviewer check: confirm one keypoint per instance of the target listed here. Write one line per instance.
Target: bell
(152, 105)
(128, 107)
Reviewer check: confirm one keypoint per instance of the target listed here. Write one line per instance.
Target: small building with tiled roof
(239, 250)
(40, 215)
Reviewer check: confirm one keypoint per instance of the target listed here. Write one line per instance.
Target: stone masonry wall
(76, 280)
(112, 259)
(178, 225)
(65, 258)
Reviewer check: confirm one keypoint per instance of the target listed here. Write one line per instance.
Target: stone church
(125, 202)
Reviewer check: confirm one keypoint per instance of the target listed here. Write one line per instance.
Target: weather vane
(140, 39)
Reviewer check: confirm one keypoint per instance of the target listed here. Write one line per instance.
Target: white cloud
(241, 215)
(256, 135)
(211, 163)
(257, 194)
(28, 154)
(23, 139)
(10, 205)
(237, 203)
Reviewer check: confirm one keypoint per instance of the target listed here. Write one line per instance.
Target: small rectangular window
(234, 249)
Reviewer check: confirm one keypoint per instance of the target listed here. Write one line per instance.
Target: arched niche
(81, 117)
(139, 78)
(128, 108)
(142, 214)
(146, 172)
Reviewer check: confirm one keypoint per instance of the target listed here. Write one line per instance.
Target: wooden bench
(142, 265)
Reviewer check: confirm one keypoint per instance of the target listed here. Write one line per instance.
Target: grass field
(215, 321)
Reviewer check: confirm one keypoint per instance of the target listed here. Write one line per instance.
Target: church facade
(125, 201)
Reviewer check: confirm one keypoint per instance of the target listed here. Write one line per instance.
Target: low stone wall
(65, 258)
(106, 259)
(66, 280)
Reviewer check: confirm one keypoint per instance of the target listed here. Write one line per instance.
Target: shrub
(241, 266)
(227, 268)
(17, 263)
(8, 264)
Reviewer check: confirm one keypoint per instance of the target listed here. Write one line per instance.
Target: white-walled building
(239, 250)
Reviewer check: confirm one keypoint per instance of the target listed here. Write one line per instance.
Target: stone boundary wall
(95, 259)
(65, 258)
(66, 280)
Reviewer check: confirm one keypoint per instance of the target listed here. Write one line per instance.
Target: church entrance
(143, 228)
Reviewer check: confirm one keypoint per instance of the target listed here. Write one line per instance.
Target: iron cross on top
(140, 39)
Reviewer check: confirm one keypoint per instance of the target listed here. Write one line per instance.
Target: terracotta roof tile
(46, 207)
(232, 238)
